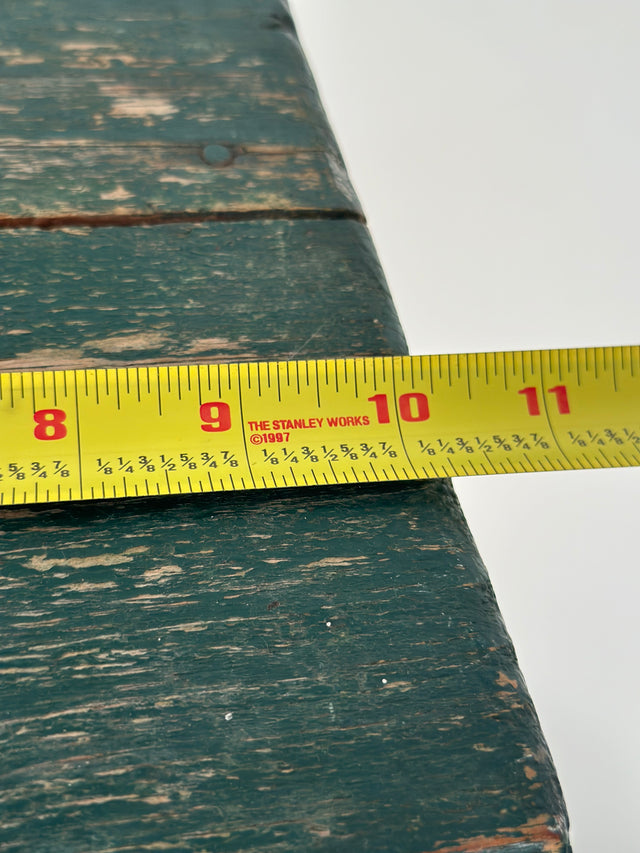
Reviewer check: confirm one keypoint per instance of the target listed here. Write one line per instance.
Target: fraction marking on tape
(92, 434)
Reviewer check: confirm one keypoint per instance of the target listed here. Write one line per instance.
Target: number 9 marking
(215, 417)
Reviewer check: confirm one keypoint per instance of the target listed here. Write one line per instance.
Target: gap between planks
(133, 219)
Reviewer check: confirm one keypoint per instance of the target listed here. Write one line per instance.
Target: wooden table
(294, 670)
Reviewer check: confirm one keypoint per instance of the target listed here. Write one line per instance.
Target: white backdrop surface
(495, 148)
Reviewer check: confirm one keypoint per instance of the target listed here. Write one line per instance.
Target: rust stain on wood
(538, 831)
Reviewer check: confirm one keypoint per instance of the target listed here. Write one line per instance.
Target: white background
(495, 147)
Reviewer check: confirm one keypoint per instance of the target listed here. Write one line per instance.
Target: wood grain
(113, 107)
(201, 292)
(287, 671)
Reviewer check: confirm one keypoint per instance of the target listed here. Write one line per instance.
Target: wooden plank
(111, 70)
(117, 109)
(205, 292)
(319, 669)
(84, 182)
(325, 668)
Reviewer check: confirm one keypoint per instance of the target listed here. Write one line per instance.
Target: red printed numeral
(215, 417)
(50, 424)
(533, 406)
(413, 407)
(561, 398)
(382, 407)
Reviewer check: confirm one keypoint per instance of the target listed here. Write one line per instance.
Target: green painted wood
(146, 108)
(306, 669)
(112, 70)
(206, 292)
(286, 672)
(85, 179)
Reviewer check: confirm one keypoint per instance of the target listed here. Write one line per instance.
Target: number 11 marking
(533, 406)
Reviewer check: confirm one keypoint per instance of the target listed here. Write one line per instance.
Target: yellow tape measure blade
(122, 432)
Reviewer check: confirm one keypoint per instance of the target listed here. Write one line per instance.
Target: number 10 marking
(413, 407)
(533, 406)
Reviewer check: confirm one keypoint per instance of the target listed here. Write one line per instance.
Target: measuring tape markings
(118, 432)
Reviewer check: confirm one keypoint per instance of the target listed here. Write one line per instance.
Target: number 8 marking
(50, 424)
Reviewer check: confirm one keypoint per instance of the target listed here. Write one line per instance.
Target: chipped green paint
(89, 179)
(111, 106)
(323, 668)
(109, 296)
(186, 72)
(319, 669)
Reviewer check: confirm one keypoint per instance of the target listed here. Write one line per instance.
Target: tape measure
(137, 431)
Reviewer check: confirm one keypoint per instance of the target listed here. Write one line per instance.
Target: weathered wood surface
(206, 292)
(309, 669)
(325, 669)
(111, 108)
